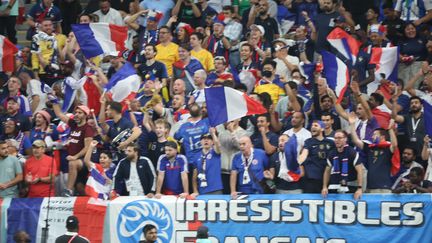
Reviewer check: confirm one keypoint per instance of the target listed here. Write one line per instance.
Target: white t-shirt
(282, 70)
(35, 88)
(133, 185)
(301, 135)
(112, 17)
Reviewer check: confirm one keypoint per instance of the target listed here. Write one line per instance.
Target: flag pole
(45, 230)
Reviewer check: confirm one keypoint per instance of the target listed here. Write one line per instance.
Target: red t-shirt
(76, 137)
(40, 168)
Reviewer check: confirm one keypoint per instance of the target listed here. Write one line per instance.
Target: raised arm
(87, 157)
(354, 137)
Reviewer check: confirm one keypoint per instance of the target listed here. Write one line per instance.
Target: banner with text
(275, 218)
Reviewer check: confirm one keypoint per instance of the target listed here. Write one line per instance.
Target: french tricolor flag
(344, 43)
(124, 84)
(225, 104)
(337, 74)
(100, 38)
(427, 108)
(386, 60)
(7, 55)
(97, 185)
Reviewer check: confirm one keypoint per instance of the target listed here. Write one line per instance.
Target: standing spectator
(189, 133)
(220, 74)
(379, 156)
(393, 22)
(198, 95)
(325, 22)
(285, 183)
(412, 51)
(418, 12)
(202, 55)
(43, 10)
(167, 51)
(426, 155)
(135, 175)
(148, 34)
(8, 16)
(155, 69)
(45, 48)
(39, 172)
(233, 31)
(270, 82)
(217, 43)
(408, 163)
(206, 177)
(107, 14)
(313, 158)
(13, 91)
(188, 12)
(247, 170)
(285, 63)
(10, 173)
(172, 173)
(263, 138)
(265, 20)
(344, 170)
(72, 236)
(70, 10)
(12, 131)
(186, 67)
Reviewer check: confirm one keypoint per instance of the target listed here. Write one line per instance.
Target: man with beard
(172, 173)
(12, 131)
(413, 123)
(135, 175)
(106, 14)
(379, 155)
(263, 138)
(42, 127)
(344, 170)
(12, 109)
(409, 155)
(313, 158)
(264, 19)
(189, 133)
(151, 67)
(285, 183)
(302, 134)
(80, 137)
(11, 172)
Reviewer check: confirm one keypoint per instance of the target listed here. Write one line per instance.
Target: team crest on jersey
(254, 162)
(209, 156)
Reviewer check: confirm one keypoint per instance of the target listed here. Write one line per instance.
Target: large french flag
(225, 104)
(124, 84)
(97, 185)
(7, 55)
(344, 43)
(336, 73)
(100, 38)
(386, 60)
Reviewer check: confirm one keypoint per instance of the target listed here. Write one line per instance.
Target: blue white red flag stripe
(124, 84)
(100, 38)
(344, 43)
(337, 74)
(7, 54)
(225, 104)
(97, 185)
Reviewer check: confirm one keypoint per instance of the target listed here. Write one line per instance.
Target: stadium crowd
(59, 126)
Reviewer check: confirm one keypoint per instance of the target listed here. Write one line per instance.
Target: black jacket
(146, 173)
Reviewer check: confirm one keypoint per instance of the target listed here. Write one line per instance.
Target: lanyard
(415, 124)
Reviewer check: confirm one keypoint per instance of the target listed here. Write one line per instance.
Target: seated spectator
(416, 184)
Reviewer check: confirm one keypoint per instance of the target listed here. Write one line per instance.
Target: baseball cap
(207, 135)
(72, 222)
(171, 144)
(38, 143)
(259, 27)
(84, 108)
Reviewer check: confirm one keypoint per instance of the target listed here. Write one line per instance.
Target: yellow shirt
(168, 55)
(205, 58)
(273, 90)
(47, 46)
